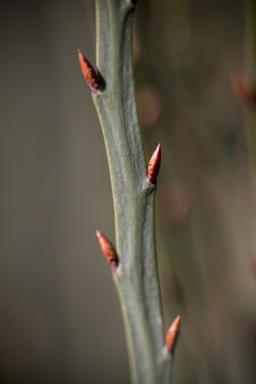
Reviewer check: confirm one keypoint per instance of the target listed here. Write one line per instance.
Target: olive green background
(60, 320)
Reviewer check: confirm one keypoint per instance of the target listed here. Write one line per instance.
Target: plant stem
(250, 47)
(250, 63)
(136, 278)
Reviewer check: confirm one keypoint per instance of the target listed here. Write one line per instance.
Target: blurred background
(60, 319)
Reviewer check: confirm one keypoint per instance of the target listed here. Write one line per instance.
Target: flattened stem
(136, 279)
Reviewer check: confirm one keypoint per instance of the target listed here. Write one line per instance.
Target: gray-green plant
(136, 277)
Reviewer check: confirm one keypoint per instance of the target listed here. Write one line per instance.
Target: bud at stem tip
(89, 73)
(108, 251)
(154, 165)
(172, 335)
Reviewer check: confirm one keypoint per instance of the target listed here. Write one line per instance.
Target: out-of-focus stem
(250, 68)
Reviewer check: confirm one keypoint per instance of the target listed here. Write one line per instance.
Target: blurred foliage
(187, 53)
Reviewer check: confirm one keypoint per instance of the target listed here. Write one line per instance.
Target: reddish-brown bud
(244, 90)
(154, 165)
(89, 73)
(172, 336)
(108, 251)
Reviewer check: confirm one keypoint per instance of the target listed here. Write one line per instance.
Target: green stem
(250, 63)
(250, 39)
(250, 113)
(136, 279)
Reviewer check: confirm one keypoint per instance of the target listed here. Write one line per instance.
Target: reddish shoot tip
(108, 251)
(154, 165)
(244, 90)
(172, 335)
(89, 73)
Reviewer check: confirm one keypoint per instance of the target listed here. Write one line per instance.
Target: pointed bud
(89, 73)
(154, 165)
(108, 251)
(172, 336)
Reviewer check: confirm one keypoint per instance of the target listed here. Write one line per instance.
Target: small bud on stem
(154, 165)
(244, 90)
(172, 335)
(89, 73)
(108, 251)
